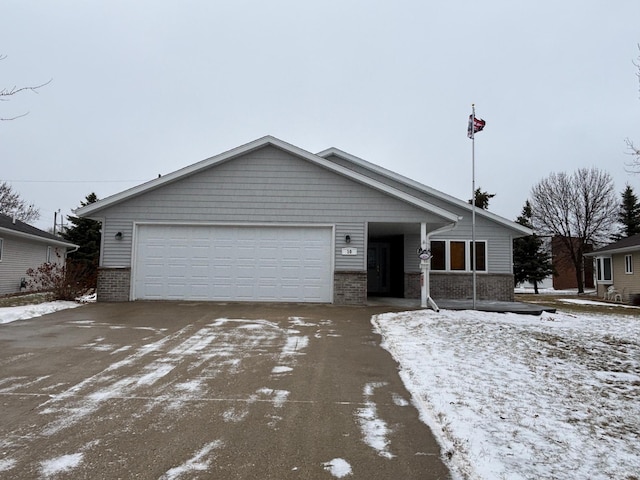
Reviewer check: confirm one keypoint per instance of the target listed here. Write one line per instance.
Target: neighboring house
(268, 221)
(565, 271)
(23, 247)
(618, 265)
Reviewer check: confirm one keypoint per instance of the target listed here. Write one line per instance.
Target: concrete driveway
(200, 390)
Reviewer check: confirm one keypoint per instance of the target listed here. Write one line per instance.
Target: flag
(475, 125)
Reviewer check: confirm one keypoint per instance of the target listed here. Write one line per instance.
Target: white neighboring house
(22, 247)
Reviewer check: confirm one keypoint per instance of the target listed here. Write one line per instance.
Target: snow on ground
(338, 467)
(523, 397)
(11, 314)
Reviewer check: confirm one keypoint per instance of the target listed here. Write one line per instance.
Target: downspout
(425, 263)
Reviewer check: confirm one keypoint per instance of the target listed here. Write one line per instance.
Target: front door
(378, 268)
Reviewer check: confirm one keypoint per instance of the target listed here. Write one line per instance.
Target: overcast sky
(141, 88)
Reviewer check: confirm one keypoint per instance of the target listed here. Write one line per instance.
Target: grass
(555, 301)
(20, 299)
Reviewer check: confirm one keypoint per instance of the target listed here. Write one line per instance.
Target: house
(565, 270)
(268, 221)
(617, 265)
(23, 247)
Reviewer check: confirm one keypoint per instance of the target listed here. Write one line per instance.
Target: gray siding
(20, 254)
(267, 185)
(358, 241)
(499, 238)
(499, 245)
(411, 260)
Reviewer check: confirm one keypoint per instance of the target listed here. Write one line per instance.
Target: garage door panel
(233, 263)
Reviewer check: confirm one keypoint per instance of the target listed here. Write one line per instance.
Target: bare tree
(11, 204)
(7, 93)
(580, 209)
(633, 150)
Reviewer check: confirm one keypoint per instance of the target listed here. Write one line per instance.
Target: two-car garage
(233, 262)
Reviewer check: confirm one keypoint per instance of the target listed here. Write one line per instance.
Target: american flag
(475, 125)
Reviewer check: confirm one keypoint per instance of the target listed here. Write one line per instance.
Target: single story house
(22, 247)
(617, 269)
(268, 221)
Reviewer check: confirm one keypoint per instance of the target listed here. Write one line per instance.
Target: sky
(147, 87)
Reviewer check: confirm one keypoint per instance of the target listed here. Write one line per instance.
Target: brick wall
(460, 286)
(114, 284)
(350, 288)
(412, 285)
(457, 286)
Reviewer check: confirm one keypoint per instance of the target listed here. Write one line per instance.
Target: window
(603, 269)
(628, 264)
(456, 255)
(1, 245)
(481, 256)
(439, 259)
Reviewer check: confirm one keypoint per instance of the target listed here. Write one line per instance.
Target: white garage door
(266, 264)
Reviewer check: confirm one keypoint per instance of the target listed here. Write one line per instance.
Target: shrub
(62, 282)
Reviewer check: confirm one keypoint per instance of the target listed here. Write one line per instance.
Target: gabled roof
(624, 245)
(425, 189)
(93, 208)
(9, 225)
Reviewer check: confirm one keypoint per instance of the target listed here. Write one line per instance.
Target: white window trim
(628, 264)
(604, 281)
(1, 247)
(49, 254)
(467, 252)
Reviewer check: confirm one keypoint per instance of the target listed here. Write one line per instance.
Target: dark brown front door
(378, 268)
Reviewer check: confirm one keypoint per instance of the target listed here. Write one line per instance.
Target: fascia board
(613, 251)
(48, 241)
(426, 189)
(90, 209)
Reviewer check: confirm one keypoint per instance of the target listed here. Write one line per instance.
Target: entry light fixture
(347, 238)
(118, 236)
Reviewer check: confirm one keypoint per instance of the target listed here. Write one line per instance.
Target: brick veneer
(350, 288)
(114, 284)
(457, 286)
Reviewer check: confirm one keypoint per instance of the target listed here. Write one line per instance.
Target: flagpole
(473, 200)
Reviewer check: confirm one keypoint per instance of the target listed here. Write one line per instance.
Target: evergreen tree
(482, 198)
(531, 261)
(85, 233)
(628, 214)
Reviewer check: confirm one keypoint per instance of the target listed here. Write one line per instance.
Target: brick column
(350, 288)
(114, 284)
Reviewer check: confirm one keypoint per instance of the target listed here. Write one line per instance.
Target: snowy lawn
(24, 312)
(524, 397)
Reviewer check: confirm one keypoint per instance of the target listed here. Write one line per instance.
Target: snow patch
(60, 464)
(24, 312)
(7, 464)
(338, 467)
(197, 463)
(281, 369)
(374, 429)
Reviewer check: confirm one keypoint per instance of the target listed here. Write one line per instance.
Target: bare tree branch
(13, 205)
(7, 93)
(634, 165)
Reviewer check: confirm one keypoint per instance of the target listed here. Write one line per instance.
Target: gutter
(425, 265)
